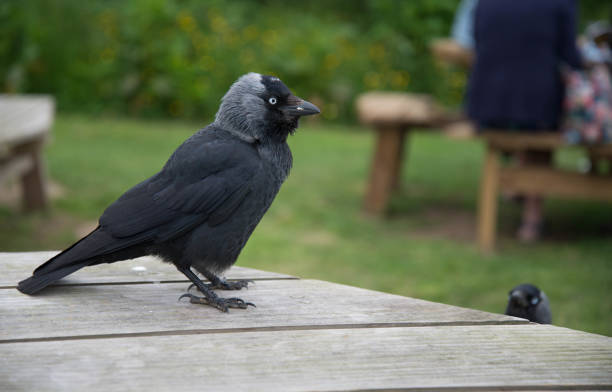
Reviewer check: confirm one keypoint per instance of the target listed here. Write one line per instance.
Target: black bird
(201, 208)
(528, 302)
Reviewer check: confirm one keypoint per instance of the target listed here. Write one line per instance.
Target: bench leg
(385, 170)
(487, 203)
(33, 181)
(397, 175)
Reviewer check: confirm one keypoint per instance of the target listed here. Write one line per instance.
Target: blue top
(463, 25)
(520, 47)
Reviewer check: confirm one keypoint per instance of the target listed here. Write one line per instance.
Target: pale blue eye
(272, 101)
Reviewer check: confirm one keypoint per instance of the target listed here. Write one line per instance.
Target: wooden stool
(531, 179)
(392, 115)
(25, 122)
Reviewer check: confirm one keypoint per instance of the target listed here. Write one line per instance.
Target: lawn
(315, 228)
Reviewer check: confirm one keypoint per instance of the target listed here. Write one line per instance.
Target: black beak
(298, 107)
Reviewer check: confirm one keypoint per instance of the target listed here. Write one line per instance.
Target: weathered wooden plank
(395, 109)
(546, 181)
(429, 358)
(24, 117)
(19, 265)
(63, 312)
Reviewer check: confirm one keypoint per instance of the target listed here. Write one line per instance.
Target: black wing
(202, 182)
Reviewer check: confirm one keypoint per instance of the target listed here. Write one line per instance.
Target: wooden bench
(25, 122)
(392, 115)
(532, 179)
(120, 327)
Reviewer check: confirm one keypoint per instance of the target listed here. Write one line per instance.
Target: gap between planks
(535, 387)
(267, 329)
(151, 282)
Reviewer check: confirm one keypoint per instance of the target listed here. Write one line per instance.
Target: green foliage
(177, 57)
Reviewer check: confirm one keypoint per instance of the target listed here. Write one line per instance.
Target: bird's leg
(222, 284)
(210, 298)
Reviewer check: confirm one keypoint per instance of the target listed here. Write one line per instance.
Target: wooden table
(120, 327)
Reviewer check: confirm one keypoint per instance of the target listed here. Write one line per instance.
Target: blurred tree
(177, 57)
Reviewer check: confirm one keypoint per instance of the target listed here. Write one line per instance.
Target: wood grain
(525, 357)
(17, 266)
(64, 312)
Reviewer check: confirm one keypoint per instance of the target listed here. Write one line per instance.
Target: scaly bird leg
(210, 298)
(222, 284)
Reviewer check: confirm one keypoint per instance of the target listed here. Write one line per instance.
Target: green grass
(316, 229)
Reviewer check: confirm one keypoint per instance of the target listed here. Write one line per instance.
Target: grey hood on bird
(245, 107)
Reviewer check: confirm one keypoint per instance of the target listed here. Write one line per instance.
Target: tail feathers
(38, 282)
(97, 247)
(84, 248)
(74, 258)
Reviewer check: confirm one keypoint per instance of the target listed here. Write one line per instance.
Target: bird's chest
(277, 162)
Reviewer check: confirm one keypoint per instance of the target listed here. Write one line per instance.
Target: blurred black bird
(201, 208)
(528, 302)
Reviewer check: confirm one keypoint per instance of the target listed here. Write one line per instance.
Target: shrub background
(176, 58)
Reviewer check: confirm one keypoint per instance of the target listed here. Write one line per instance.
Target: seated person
(515, 83)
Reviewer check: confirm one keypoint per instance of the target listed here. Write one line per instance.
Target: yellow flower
(247, 57)
(186, 22)
(377, 52)
(108, 54)
(372, 80)
(331, 61)
(250, 33)
(270, 37)
(218, 24)
(400, 79)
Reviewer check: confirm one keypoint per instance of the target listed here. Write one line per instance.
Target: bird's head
(262, 107)
(524, 296)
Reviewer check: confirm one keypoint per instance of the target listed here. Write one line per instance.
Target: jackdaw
(199, 211)
(528, 302)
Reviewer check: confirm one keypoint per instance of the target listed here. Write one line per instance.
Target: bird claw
(223, 304)
(225, 285)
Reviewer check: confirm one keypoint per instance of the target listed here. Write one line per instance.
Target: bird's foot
(223, 304)
(225, 285)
